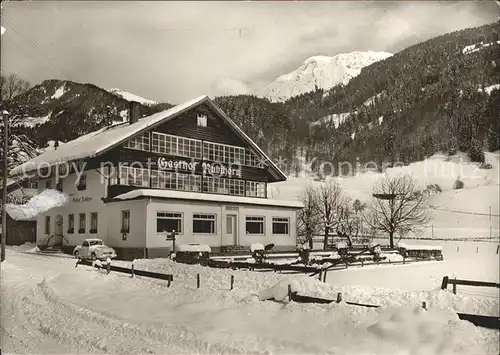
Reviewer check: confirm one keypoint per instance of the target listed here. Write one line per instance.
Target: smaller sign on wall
(81, 199)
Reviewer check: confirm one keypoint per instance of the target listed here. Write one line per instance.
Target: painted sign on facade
(214, 169)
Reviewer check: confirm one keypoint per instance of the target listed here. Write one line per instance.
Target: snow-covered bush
(256, 246)
(432, 189)
(304, 254)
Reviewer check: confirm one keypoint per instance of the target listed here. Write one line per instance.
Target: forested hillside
(436, 95)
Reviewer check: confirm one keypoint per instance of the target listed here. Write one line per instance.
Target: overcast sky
(174, 51)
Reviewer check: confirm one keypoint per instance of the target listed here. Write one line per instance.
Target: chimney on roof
(133, 112)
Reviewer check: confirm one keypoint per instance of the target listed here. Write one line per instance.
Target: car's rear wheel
(77, 254)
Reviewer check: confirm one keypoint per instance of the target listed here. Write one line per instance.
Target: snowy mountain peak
(321, 71)
(131, 97)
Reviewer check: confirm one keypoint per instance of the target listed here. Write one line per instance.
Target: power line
(36, 46)
(463, 212)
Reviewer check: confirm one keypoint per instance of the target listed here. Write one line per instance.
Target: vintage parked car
(93, 249)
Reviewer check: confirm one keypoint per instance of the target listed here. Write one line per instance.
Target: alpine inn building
(190, 169)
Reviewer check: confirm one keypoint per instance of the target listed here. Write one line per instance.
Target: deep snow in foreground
(49, 306)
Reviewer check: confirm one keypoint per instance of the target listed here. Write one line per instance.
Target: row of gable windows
(188, 182)
(193, 148)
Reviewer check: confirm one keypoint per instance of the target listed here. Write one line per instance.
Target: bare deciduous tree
(21, 147)
(349, 224)
(331, 199)
(398, 206)
(307, 218)
(12, 85)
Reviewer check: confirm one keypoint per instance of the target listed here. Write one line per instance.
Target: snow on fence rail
(255, 266)
(155, 275)
(491, 322)
(455, 282)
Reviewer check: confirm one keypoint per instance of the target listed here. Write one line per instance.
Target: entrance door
(231, 235)
(59, 225)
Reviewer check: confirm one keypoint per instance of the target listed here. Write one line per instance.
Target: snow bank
(279, 291)
(392, 257)
(419, 247)
(201, 248)
(256, 246)
(419, 331)
(26, 247)
(43, 202)
(78, 311)
(97, 263)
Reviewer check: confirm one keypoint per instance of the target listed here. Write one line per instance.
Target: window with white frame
(47, 224)
(82, 222)
(235, 155)
(175, 145)
(59, 185)
(224, 186)
(93, 222)
(223, 153)
(140, 142)
(204, 223)
(201, 120)
(281, 225)
(125, 221)
(134, 176)
(175, 181)
(82, 182)
(30, 183)
(255, 225)
(256, 189)
(71, 223)
(167, 222)
(189, 182)
(252, 159)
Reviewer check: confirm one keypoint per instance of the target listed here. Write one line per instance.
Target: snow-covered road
(35, 319)
(49, 306)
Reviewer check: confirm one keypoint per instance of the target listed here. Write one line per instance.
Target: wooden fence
(132, 272)
(455, 282)
(478, 320)
(491, 322)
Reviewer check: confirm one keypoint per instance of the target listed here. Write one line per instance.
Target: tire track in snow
(17, 334)
(96, 333)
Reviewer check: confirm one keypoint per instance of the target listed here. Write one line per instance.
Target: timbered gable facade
(196, 151)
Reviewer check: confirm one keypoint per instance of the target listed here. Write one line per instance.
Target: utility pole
(4, 115)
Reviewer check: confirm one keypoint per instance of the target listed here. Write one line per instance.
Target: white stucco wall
(188, 208)
(143, 219)
(136, 238)
(85, 201)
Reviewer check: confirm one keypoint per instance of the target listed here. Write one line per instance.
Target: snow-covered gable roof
(100, 141)
(185, 195)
